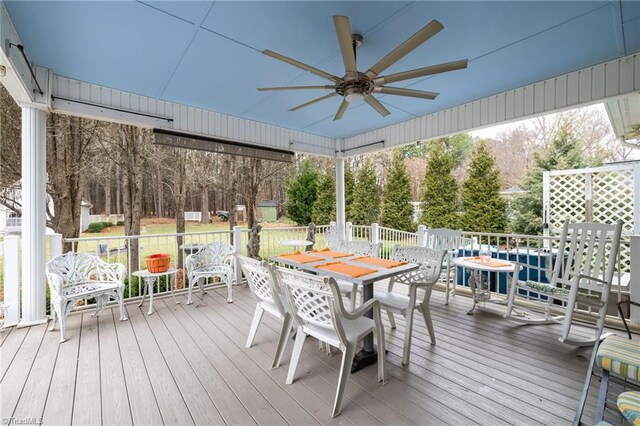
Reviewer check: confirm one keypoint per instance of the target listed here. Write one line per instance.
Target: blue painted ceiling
(207, 54)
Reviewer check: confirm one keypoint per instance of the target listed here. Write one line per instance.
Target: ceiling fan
(356, 86)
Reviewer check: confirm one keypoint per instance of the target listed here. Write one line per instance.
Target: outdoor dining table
(368, 354)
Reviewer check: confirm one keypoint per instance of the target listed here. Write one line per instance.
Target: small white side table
(150, 278)
(296, 243)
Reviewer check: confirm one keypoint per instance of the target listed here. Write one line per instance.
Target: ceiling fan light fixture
(354, 97)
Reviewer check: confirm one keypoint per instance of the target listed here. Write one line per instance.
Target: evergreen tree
(397, 211)
(483, 208)
(440, 189)
(301, 194)
(365, 208)
(349, 189)
(324, 208)
(565, 152)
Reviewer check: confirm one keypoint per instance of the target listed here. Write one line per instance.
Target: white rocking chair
(318, 311)
(269, 299)
(430, 262)
(213, 260)
(582, 275)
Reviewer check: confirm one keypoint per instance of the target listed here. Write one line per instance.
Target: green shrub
(107, 224)
(95, 227)
(120, 223)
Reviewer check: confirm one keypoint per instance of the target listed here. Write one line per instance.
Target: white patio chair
(77, 276)
(359, 248)
(450, 240)
(269, 299)
(213, 260)
(582, 275)
(425, 277)
(318, 311)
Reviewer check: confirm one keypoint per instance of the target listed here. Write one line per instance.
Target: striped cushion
(550, 290)
(629, 406)
(620, 356)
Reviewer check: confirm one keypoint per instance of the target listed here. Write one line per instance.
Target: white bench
(77, 276)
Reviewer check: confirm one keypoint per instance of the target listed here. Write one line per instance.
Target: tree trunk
(159, 194)
(118, 190)
(107, 192)
(204, 205)
(132, 177)
(65, 152)
(180, 198)
(231, 195)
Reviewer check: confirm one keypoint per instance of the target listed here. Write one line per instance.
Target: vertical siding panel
(585, 85)
(598, 81)
(484, 111)
(637, 72)
(197, 125)
(573, 88)
(549, 94)
(468, 113)
(509, 105)
(94, 97)
(529, 99)
(626, 76)
(518, 103)
(492, 110)
(561, 92)
(612, 78)
(475, 111)
(454, 119)
(447, 122)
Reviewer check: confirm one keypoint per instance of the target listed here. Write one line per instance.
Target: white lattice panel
(613, 197)
(566, 199)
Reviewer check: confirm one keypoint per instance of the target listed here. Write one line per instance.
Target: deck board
(188, 364)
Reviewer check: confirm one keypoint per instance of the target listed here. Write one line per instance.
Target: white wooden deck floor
(187, 364)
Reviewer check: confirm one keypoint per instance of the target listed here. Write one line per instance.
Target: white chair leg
(426, 314)
(345, 371)
(63, 322)
(201, 283)
(54, 317)
(408, 331)
(285, 332)
(354, 297)
(448, 290)
(379, 334)
(123, 312)
(295, 355)
(257, 317)
(191, 284)
(568, 318)
(392, 320)
(229, 289)
(513, 289)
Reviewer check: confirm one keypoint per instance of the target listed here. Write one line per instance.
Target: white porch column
(340, 208)
(34, 199)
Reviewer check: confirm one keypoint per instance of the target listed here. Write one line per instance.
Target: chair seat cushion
(88, 288)
(551, 290)
(620, 356)
(629, 406)
(395, 301)
(353, 329)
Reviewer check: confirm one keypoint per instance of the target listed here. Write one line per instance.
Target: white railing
(193, 216)
(113, 218)
(528, 250)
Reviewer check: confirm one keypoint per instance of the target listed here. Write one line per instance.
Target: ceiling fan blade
(424, 34)
(375, 104)
(301, 65)
(306, 104)
(343, 31)
(406, 92)
(341, 110)
(271, 89)
(421, 72)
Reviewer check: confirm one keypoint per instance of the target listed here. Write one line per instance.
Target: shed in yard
(267, 211)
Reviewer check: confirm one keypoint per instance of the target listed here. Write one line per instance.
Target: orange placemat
(379, 262)
(299, 257)
(494, 263)
(346, 269)
(332, 254)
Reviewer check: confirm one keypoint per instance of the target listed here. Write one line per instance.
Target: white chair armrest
(56, 282)
(113, 272)
(591, 278)
(363, 309)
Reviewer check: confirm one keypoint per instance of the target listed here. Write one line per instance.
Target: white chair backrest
(587, 248)
(75, 268)
(443, 239)
(260, 281)
(430, 262)
(314, 300)
(333, 238)
(361, 248)
(212, 254)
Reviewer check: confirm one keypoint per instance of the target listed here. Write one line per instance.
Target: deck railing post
(634, 283)
(421, 239)
(375, 233)
(11, 280)
(348, 231)
(237, 246)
